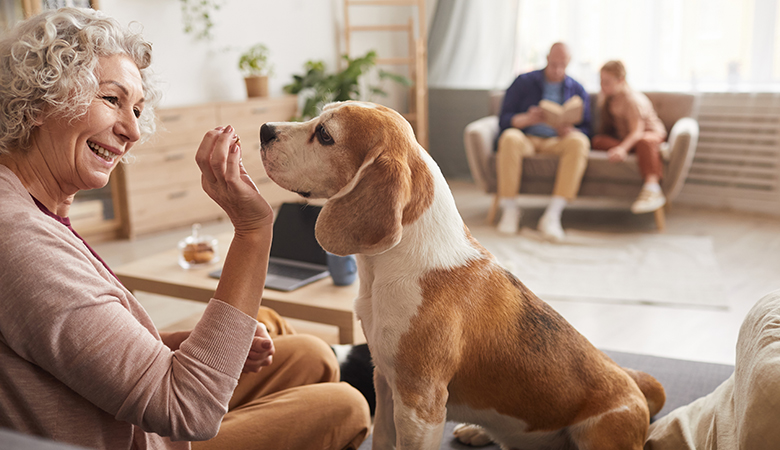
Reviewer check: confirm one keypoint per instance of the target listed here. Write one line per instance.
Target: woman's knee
(309, 353)
(646, 146)
(603, 142)
(350, 408)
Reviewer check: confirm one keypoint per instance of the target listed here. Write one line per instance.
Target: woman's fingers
(203, 155)
(219, 158)
(233, 162)
(219, 155)
(261, 351)
(226, 181)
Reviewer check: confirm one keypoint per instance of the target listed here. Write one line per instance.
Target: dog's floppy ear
(366, 215)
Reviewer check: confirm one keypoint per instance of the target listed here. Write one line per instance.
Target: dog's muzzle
(267, 133)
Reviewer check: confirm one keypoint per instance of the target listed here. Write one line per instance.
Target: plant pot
(256, 86)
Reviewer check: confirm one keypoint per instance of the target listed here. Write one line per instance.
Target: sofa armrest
(682, 146)
(478, 139)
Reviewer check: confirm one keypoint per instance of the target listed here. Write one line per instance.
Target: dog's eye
(323, 136)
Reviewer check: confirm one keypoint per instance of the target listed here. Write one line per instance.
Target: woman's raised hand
(225, 180)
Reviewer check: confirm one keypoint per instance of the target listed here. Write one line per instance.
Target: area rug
(635, 268)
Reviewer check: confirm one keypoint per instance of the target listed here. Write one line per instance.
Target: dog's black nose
(267, 133)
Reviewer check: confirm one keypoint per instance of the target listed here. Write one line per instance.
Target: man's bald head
(557, 60)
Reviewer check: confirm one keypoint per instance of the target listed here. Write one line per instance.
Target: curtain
(471, 44)
(667, 45)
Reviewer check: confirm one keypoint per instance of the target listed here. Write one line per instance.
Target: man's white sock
(509, 203)
(555, 208)
(652, 186)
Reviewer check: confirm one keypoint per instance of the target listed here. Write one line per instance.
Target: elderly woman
(629, 123)
(80, 360)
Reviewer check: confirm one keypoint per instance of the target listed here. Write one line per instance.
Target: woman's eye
(323, 136)
(137, 113)
(111, 99)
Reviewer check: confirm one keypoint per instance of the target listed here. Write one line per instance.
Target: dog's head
(365, 160)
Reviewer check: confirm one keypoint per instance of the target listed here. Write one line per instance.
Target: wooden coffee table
(320, 302)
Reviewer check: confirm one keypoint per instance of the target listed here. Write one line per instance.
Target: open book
(555, 115)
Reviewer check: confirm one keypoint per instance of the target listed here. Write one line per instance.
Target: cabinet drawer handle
(170, 118)
(260, 110)
(175, 195)
(174, 157)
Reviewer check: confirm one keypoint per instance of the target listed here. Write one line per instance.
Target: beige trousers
(743, 413)
(513, 145)
(297, 403)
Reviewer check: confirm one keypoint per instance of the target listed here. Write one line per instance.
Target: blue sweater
(527, 90)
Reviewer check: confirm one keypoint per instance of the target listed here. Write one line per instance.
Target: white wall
(194, 72)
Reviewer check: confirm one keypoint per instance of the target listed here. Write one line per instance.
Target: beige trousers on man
(571, 150)
(296, 403)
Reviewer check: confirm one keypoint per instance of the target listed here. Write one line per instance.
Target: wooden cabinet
(161, 188)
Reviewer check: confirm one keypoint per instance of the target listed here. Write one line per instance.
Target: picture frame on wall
(32, 7)
(54, 4)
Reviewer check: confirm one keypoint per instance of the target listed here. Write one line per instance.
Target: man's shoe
(510, 220)
(551, 228)
(648, 201)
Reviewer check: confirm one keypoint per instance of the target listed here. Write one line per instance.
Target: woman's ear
(366, 217)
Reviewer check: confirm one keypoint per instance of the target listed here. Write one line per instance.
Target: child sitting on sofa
(629, 123)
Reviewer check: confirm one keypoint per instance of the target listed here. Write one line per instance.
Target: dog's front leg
(420, 416)
(384, 427)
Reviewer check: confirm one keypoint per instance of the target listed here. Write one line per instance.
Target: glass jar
(196, 250)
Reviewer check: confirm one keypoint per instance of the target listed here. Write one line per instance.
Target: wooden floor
(747, 247)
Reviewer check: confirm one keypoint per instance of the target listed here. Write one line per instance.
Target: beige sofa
(620, 181)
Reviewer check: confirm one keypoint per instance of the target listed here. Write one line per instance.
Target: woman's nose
(128, 127)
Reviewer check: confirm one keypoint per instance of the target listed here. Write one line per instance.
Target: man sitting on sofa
(524, 133)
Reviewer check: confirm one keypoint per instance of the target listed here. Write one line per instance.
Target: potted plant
(256, 67)
(317, 87)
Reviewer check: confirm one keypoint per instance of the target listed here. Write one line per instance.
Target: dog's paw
(473, 435)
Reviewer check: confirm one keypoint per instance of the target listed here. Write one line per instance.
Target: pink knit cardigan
(81, 361)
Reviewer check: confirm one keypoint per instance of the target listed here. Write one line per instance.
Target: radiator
(737, 160)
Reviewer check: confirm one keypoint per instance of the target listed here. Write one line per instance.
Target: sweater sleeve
(514, 102)
(59, 311)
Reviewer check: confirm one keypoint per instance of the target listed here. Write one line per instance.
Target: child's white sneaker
(648, 201)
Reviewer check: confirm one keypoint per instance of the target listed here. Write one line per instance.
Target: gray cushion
(684, 381)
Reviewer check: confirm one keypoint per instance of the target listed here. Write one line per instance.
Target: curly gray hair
(47, 69)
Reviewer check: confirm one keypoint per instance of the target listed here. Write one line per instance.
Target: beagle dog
(453, 335)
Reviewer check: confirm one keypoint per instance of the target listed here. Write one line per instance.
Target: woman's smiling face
(82, 153)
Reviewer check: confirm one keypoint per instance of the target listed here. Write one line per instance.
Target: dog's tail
(651, 388)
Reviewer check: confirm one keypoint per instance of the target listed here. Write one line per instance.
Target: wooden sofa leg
(660, 219)
(491, 218)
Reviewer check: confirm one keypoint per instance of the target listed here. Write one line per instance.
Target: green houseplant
(198, 17)
(256, 67)
(318, 87)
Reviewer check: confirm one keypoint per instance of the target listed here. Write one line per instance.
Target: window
(683, 45)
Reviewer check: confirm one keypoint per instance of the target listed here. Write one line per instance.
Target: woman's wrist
(259, 231)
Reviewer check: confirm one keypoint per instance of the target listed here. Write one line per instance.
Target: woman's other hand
(227, 182)
(262, 350)
(617, 153)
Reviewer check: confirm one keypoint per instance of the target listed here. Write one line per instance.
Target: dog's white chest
(386, 310)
